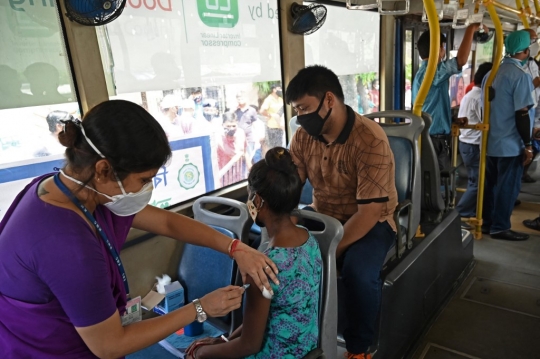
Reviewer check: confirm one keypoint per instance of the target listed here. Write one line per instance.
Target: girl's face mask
(253, 210)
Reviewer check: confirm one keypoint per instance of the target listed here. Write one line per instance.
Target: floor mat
(526, 210)
(507, 296)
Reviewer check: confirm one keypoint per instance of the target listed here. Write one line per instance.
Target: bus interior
(448, 292)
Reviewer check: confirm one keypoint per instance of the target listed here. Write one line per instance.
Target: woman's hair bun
(71, 133)
(280, 159)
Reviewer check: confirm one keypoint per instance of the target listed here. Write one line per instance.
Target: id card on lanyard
(112, 251)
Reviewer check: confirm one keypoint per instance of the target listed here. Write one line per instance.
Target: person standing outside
(374, 94)
(272, 109)
(437, 102)
(348, 160)
(247, 116)
(231, 150)
(509, 138)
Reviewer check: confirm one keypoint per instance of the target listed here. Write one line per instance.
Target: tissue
(162, 282)
(267, 294)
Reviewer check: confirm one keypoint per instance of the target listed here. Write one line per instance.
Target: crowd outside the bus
(80, 218)
(470, 112)
(509, 139)
(49, 144)
(272, 110)
(197, 98)
(408, 95)
(260, 152)
(231, 151)
(287, 325)
(170, 106)
(348, 160)
(211, 114)
(374, 95)
(179, 119)
(437, 102)
(249, 122)
(365, 97)
(532, 69)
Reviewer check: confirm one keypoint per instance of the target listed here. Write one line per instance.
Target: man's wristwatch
(201, 315)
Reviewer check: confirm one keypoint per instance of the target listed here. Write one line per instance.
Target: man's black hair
(423, 44)
(314, 81)
(482, 72)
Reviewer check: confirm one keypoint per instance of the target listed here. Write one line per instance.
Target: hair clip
(73, 120)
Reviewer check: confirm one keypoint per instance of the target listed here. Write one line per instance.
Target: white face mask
(254, 211)
(125, 204)
(535, 47)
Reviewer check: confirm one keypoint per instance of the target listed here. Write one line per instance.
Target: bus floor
(495, 313)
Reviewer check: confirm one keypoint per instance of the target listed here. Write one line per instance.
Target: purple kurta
(55, 275)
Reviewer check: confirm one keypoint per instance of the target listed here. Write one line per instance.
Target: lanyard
(108, 244)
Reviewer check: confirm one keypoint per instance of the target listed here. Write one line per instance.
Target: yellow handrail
(527, 7)
(434, 46)
(536, 9)
(522, 14)
(433, 60)
(537, 6)
(477, 222)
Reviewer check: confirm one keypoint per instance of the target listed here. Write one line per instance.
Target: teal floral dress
(292, 329)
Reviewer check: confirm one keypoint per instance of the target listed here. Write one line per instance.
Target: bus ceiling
(509, 16)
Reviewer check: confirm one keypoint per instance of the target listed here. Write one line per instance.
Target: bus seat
(294, 125)
(306, 198)
(403, 138)
(239, 224)
(328, 240)
(203, 270)
(433, 204)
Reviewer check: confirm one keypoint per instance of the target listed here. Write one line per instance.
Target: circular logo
(188, 176)
(107, 5)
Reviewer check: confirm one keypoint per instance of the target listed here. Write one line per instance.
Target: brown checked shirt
(357, 168)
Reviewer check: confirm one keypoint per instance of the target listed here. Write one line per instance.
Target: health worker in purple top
(63, 288)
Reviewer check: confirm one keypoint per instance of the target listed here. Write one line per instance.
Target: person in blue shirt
(437, 102)
(509, 138)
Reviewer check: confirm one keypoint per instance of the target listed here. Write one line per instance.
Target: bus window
(349, 46)
(36, 91)
(408, 54)
(204, 72)
(484, 53)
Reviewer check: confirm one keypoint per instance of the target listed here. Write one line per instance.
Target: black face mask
(231, 133)
(312, 122)
(279, 93)
(208, 116)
